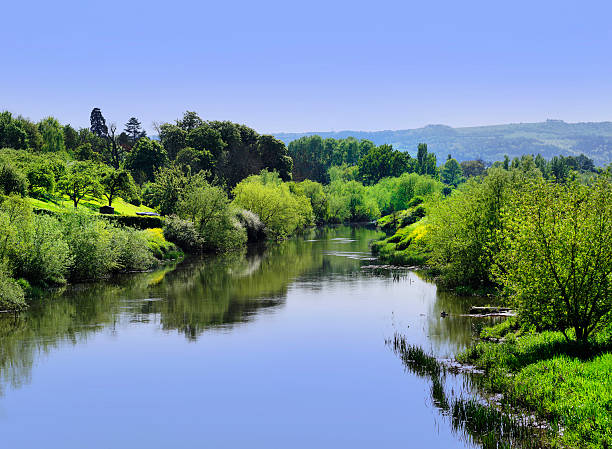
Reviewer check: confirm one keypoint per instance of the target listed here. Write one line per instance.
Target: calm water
(283, 348)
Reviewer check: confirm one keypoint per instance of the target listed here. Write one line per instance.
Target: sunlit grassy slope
(88, 204)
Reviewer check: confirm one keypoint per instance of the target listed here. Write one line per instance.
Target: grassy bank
(567, 383)
(88, 205)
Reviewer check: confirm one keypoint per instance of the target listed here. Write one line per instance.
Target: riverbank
(566, 383)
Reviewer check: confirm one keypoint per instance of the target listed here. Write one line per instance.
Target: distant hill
(490, 143)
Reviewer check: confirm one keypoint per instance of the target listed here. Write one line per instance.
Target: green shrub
(91, 248)
(267, 196)
(183, 233)
(12, 181)
(42, 255)
(208, 208)
(12, 297)
(132, 250)
(255, 228)
(138, 221)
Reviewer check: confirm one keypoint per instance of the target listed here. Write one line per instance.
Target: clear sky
(311, 65)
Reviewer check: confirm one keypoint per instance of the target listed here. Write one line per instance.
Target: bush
(183, 233)
(12, 297)
(42, 255)
(132, 250)
(12, 181)
(209, 209)
(255, 228)
(91, 248)
(135, 221)
(159, 246)
(282, 211)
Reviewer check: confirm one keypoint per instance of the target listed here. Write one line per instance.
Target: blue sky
(317, 65)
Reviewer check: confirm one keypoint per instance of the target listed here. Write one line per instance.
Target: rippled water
(278, 348)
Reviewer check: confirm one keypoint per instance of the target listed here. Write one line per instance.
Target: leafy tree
(315, 193)
(98, 123)
(170, 186)
(195, 160)
(451, 173)
(274, 156)
(206, 138)
(12, 181)
(381, 162)
(146, 157)
(34, 138)
(81, 179)
(208, 207)
(117, 182)
(281, 211)
(133, 128)
(41, 178)
(173, 139)
(463, 230)
(426, 162)
(190, 121)
(53, 135)
(473, 168)
(556, 255)
(559, 169)
(12, 134)
(71, 137)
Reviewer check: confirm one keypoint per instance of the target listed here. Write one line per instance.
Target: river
(281, 347)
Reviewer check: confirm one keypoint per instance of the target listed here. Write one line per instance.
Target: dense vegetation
(491, 143)
(566, 383)
(537, 232)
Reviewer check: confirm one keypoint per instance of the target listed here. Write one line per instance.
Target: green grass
(405, 247)
(565, 382)
(88, 204)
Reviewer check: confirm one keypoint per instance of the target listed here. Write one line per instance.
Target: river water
(277, 348)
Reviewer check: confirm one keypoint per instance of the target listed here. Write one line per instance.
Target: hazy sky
(312, 65)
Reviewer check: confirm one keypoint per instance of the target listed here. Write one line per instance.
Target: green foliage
(131, 249)
(135, 221)
(349, 201)
(12, 181)
(382, 162)
(81, 179)
(473, 168)
(183, 233)
(555, 258)
(91, 245)
(267, 196)
(565, 382)
(316, 194)
(451, 173)
(41, 179)
(209, 209)
(407, 246)
(117, 183)
(12, 134)
(146, 157)
(343, 172)
(98, 248)
(426, 162)
(312, 156)
(41, 255)
(12, 297)
(52, 134)
(491, 143)
(464, 228)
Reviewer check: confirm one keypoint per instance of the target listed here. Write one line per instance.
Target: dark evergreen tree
(133, 128)
(98, 123)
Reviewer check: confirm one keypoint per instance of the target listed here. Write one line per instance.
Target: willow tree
(556, 256)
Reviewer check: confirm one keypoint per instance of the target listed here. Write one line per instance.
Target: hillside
(490, 143)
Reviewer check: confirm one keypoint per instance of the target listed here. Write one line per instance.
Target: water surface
(278, 348)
